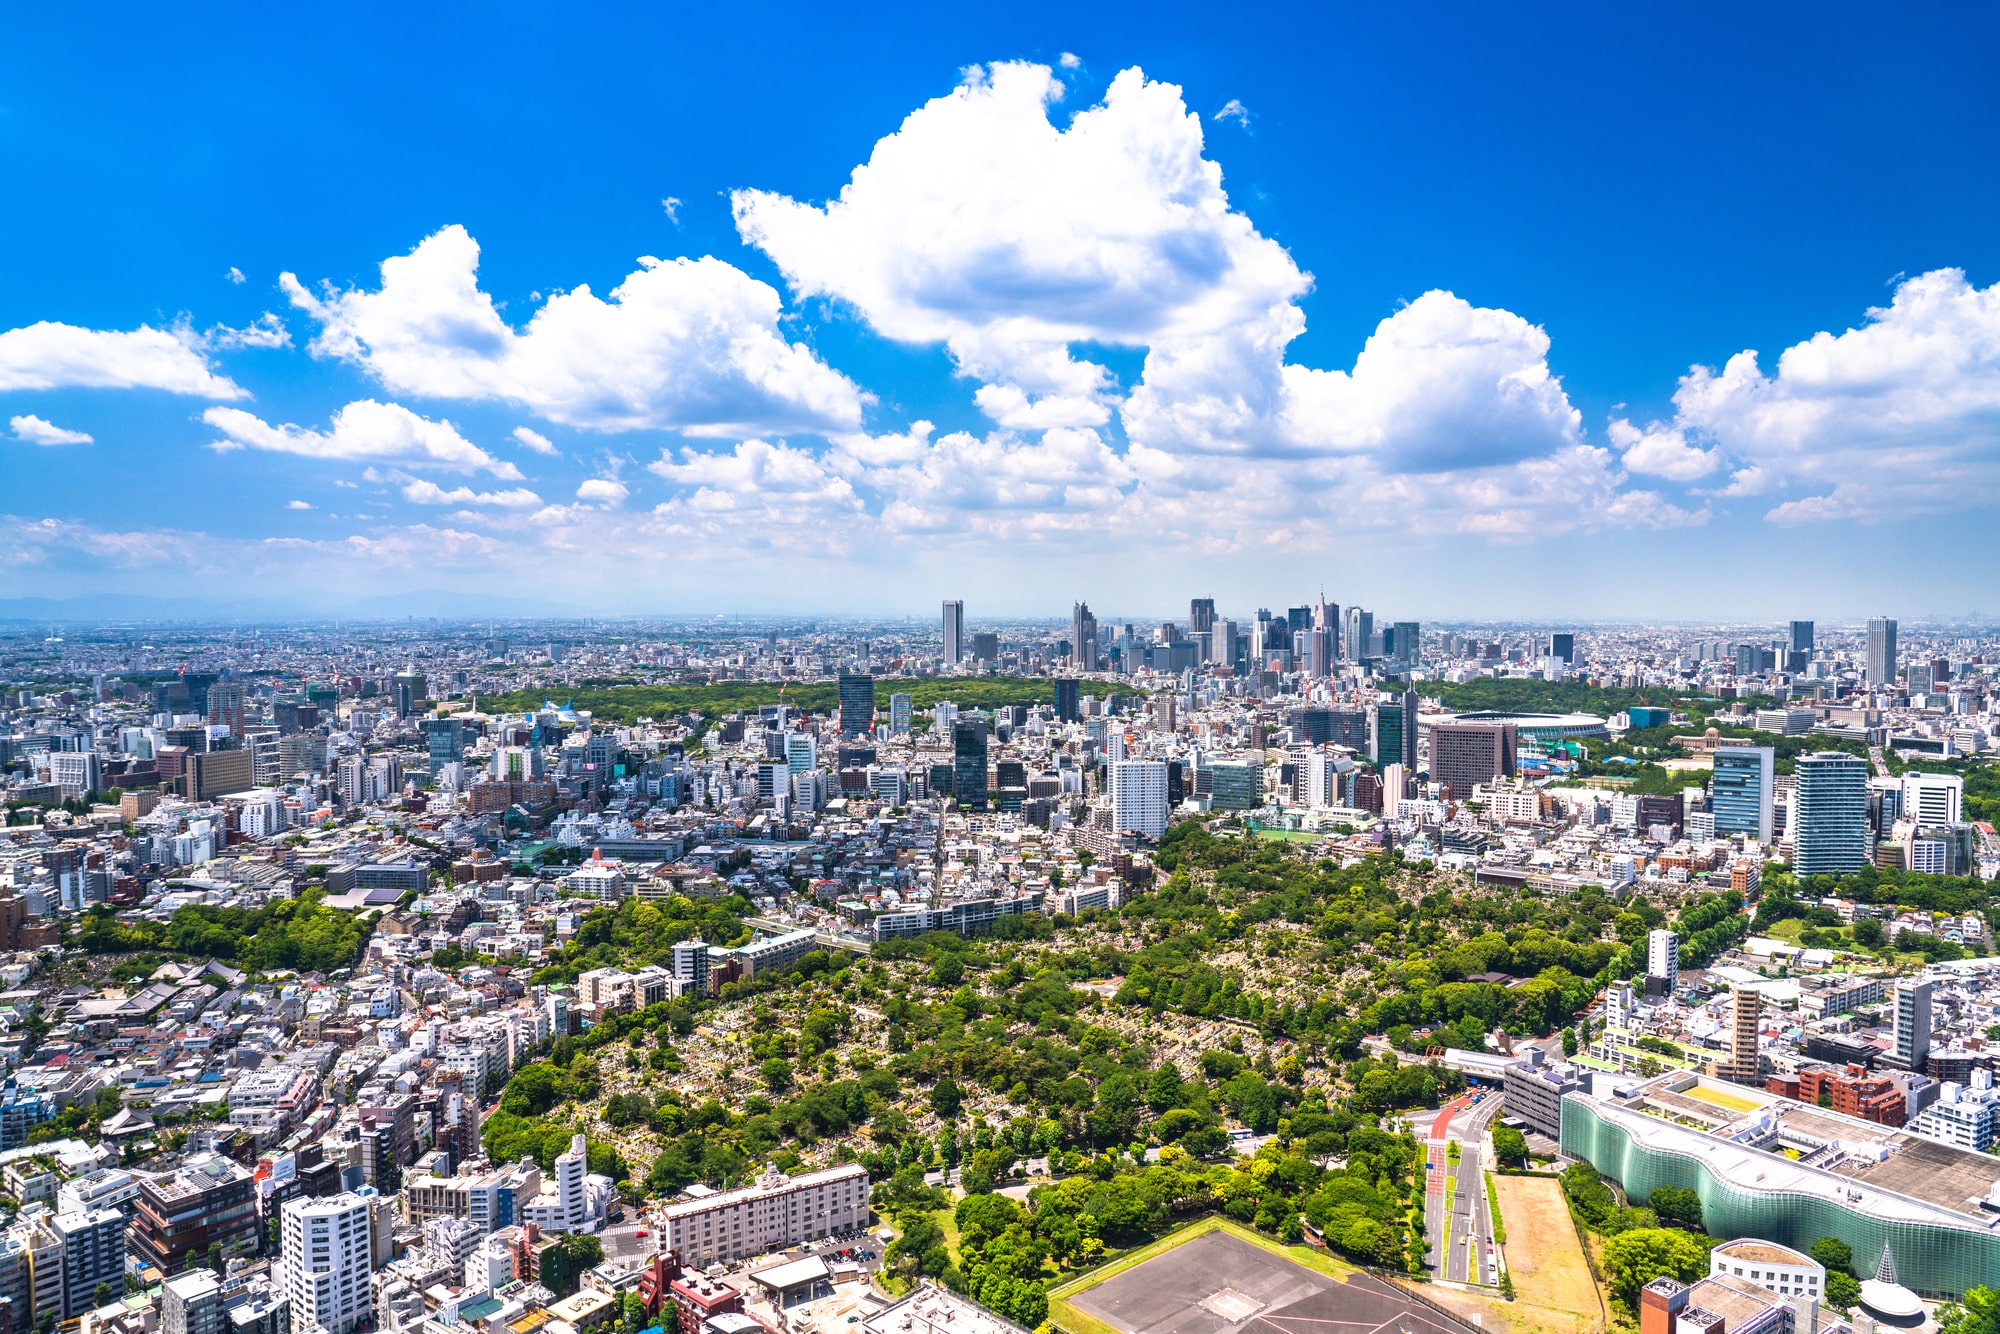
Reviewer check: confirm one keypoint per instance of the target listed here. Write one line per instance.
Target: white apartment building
(326, 1262)
(563, 1205)
(1139, 796)
(774, 1212)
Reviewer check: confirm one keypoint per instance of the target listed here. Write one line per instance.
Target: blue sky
(1194, 300)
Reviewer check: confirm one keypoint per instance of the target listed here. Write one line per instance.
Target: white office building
(773, 1212)
(1963, 1116)
(1933, 799)
(325, 1262)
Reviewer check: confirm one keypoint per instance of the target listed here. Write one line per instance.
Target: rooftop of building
(1763, 1252)
(1738, 1301)
(762, 1186)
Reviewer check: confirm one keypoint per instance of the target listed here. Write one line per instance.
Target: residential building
(1663, 962)
(690, 964)
(773, 1212)
(209, 1199)
(93, 1260)
(191, 1303)
(1139, 796)
(1912, 1023)
(326, 1262)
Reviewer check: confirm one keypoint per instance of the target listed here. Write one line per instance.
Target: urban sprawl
(762, 976)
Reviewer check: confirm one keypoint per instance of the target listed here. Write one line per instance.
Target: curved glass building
(1937, 1207)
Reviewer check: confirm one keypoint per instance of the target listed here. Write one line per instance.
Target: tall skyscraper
(1829, 820)
(1562, 646)
(968, 763)
(411, 691)
(1913, 1023)
(1139, 796)
(1468, 755)
(1409, 643)
(1882, 651)
(1742, 791)
(1663, 962)
(954, 633)
(1083, 637)
(326, 1264)
(1068, 709)
(226, 706)
(857, 703)
(1201, 616)
(1395, 739)
(899, 712)
(1802, 637)
(1360, 628)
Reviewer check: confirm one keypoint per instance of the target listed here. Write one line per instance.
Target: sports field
(1217, 1278)
(1545, 1257)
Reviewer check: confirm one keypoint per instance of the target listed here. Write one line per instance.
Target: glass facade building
(1742, 791)
(1829, 822)
(968, 762)
(1746, 1192)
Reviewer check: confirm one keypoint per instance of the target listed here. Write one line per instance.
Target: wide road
(1461, 1242)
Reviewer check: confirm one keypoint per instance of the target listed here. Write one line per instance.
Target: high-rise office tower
(1468, 755)
(226, 706)
(1746, 1004)
(954, 633)
(1933, 799)
(1802, 637)
(1201, 616)
(1360, 628)
(1222, 642)
(899, 712)
(1562, 646)
(1409, 643)
(1663, 962)
(1743, 790)
(1829, 820)
(1083, 637)
(968, 763)
(1319, 654)
(986, 646)
(1881, 652)
(1913, 1023)
(1298, 620)
(1068, 709)
(326, 1264)
(411, 691)
(1139, 796)
(1395, 739)
(857, 704)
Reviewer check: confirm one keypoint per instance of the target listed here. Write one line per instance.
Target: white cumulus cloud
(534, 440)
(38, 431)
(299, 505)
(364, 429)
(603, 491)
(59, 356)
(266, 331)
(422, 491)
(1898, 416)
(687, 344)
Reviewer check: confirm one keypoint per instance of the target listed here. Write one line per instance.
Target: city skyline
(1043, 304)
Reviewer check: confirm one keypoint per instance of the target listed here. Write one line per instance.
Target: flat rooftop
(1933, 1172)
